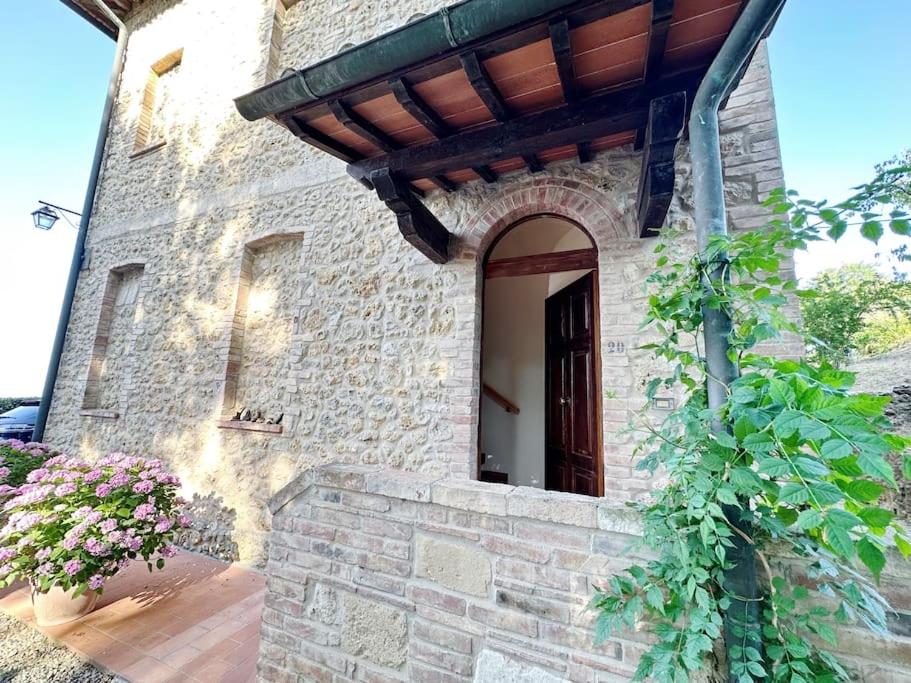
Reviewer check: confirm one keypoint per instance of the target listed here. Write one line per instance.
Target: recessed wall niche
(108, 385)
(268, 296)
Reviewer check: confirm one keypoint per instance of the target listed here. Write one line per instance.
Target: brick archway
(581, 203)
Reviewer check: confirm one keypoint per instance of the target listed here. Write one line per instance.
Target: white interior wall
(513, 349)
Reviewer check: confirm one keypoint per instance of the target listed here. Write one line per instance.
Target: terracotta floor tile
(148, 670)
(217, 635)
(249, 631)
(206, 669)
(175, 643)
(232, 651)
(180, 657)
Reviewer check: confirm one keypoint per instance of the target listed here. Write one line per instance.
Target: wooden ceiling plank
(444, 183)
(484, 87)
(487, 174)
(535, 264)
(321, 141)
(359, 125)
(563, 57)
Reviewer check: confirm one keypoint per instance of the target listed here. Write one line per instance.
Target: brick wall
(382, 575)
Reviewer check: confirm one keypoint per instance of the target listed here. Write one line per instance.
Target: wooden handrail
(501, 400)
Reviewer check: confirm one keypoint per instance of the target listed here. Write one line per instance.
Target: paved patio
(197, 620)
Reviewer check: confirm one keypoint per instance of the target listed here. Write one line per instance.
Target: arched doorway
(540, 374)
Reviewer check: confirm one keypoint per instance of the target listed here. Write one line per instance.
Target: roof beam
(321, 141)
(570, 124)
(563, 56)
(584, 152)
(533, 163)
(484, 87)
(666, 122)
(433, 122)
(554, 262)
(662, 13)
(360, 126)
(416, 223)
(414, 105)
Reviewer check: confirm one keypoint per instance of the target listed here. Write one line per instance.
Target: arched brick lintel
(592, 209)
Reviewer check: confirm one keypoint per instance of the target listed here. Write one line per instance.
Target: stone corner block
(620, 519)
(400, 484)
(348, 477)
(474, 496)
(461, 568)
(293, 489)
(553, 506)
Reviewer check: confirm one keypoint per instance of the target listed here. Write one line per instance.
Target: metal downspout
(708, 190)
(63, 322)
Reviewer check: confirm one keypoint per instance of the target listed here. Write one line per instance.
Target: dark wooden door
(571, 453)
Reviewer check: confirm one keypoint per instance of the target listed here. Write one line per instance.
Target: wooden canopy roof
(588, 76)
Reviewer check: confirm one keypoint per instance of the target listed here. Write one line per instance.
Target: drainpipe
(50, 379)
(708, 191)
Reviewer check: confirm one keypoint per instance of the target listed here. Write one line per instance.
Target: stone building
(427, 396)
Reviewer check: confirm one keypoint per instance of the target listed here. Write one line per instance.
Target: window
(150, 129)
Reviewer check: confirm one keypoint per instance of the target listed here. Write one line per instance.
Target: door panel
(572, 460)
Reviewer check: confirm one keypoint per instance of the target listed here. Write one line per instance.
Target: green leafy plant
(792, 465)
(75, 524)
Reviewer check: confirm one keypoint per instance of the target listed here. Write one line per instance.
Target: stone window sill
(148, 149)
(250, 426)
(105, 414)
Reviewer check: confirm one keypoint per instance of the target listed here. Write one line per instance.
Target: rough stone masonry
(266, 278)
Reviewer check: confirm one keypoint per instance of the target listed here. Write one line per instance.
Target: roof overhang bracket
(666, 123)
(416, 222)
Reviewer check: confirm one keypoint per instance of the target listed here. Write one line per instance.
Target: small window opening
(150, 129)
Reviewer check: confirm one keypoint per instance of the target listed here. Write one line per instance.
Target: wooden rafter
(360, 126)
(581, 121)
(561, 44)
(663, 132)
(662, 13)
(484, 86)
(414, 105)
(321, 141)
(416, 223)
(554, 262)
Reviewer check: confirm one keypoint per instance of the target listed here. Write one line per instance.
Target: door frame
(544, 268)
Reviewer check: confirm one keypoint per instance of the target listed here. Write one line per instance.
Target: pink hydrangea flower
(72, 567)
(114, 537)
(92, 475)
(144, 511)
(65, 489)
(4, 472)
(7, 554)
(46, 568)
(43, 554)
(134, 543)
(144, 486)
(95, 547)
(169, 551)
(163, 524)
(71, 542)
(184, 522)
(96, 581)
(108, 525)
(103, 490)
(121, 478)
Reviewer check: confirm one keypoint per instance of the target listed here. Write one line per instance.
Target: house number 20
(615, 347)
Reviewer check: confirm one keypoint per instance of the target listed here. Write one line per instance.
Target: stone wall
(381, 365)
(379, 575)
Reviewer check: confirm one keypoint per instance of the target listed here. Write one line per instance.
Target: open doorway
(540, 375)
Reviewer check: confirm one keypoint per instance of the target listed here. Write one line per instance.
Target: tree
(848, 307)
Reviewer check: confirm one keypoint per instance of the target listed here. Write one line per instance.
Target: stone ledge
(498, 500)
(249, 426)
(105, 414)
(148, 149)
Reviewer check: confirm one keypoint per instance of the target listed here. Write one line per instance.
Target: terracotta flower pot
(58, 606)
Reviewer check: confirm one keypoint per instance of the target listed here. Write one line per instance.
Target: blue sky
(841, 88)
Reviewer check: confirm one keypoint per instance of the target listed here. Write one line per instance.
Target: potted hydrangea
(75, 524)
